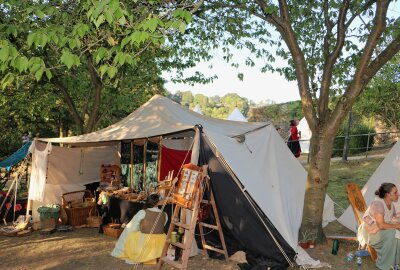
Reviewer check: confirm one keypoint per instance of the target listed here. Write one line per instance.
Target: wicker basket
(94, 221)
(77, 213)
(113, 230)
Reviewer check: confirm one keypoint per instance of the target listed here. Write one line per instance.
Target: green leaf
(39, 13)
(122, 20)
(41, 39)
(151, 24)
(240, 76)
(101, 53)
(4, 53)
(35, 67)
(113, 6)
(72, 43)
(125, 41)
(8, 79)
(182, 27)
(136, 37)
(67, 59)
(81, 29)
(109, 16)
(112, 71)
(118, 13)
(48, 74)
(21, 63)
(39, 73)
(144, 36)
(103, 70)
(99, 20)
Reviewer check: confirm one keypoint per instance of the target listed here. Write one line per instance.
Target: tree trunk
(321, 145)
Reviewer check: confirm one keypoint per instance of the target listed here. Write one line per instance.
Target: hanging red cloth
(172, 159)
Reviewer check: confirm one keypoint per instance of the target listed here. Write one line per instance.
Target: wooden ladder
(189, 230)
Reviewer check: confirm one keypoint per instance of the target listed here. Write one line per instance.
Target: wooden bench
(359, 206)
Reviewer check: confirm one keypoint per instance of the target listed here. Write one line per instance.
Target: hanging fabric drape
(39, 171)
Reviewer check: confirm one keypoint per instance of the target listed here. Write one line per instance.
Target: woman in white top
(142, 240)
(380, 224)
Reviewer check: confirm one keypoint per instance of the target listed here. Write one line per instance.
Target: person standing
(293, 141)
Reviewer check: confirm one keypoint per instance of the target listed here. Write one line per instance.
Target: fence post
(347, 138)
(366, 152)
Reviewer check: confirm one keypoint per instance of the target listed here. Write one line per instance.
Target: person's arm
(382, 225)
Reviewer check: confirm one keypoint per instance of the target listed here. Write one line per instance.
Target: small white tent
(305, 135)
(388, 171)
(197, 109)
(248, 166)
(236, 115)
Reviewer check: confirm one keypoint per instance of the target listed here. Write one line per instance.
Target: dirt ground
(87, 249)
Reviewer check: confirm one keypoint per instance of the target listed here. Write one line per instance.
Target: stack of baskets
(77, 205)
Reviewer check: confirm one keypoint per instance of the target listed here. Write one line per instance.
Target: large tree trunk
(317, 182)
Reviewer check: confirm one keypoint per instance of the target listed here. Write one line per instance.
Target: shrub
(357, 144)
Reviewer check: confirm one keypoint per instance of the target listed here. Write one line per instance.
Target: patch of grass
(354, 171)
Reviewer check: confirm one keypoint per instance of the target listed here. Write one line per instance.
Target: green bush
(357, 144)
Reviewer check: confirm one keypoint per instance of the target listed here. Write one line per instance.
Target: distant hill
(221, 107)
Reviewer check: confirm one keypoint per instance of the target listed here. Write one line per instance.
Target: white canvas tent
(388, 171)
(236, 115)
(250, 158)
(197, 109)
(305, 135)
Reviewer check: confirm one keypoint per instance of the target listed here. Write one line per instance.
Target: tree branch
(55, 80)
(283, 7)
(98, 86)
(355, 87)
(284, 27)
(366, 5)
(391, 50)
(331, 58)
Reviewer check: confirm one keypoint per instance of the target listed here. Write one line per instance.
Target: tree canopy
(88, 49)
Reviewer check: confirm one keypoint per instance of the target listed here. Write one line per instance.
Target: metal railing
(374, 141)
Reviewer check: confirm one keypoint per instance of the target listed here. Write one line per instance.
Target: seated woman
(379, 225)
(142, 241)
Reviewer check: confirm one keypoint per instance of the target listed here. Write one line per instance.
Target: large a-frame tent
(258, 185)
(388, 171)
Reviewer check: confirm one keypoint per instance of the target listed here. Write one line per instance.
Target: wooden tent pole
(131, 167)
(144, 162)
(159, 160)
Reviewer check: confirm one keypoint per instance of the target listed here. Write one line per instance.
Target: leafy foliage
(216, 107)
(358, 143)
(380, 99)
(86, 50)
(278, 114)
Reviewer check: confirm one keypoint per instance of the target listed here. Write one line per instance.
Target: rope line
(229, 170)
(147, 237)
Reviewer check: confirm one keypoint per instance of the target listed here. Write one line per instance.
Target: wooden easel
(189, 229)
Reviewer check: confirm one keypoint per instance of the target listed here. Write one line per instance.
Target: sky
(256, 86)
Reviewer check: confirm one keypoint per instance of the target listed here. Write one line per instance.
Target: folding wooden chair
(359, 206)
